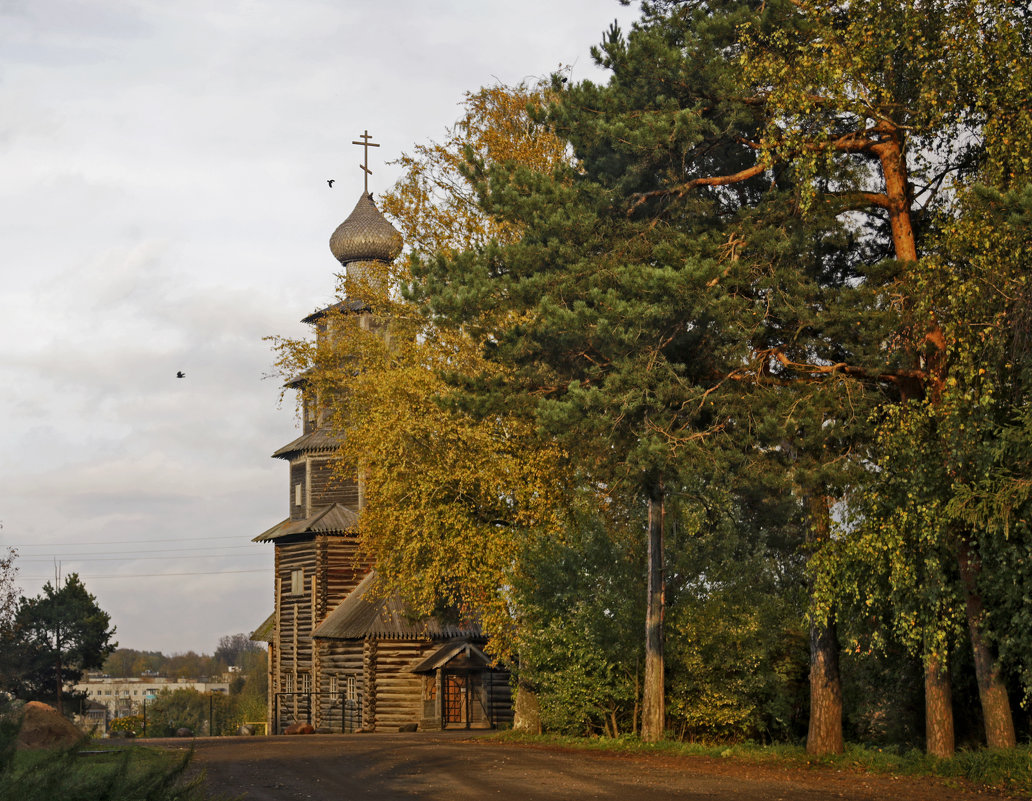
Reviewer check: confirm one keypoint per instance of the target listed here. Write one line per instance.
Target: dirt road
(457, 767)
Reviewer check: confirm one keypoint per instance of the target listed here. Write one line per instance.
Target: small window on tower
(297, 495)
(297, 582)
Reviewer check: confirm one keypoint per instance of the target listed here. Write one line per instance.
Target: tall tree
(435, 204)
(57, 636)
(870, 110)
(600, 317)
(233, 648)
(655, 296)
(898, 101)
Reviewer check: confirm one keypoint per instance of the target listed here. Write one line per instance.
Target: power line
(147, 575)
(64, 558)
(73, 554)
(120, 542)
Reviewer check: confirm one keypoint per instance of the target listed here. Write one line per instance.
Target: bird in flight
(180, 374)
(330, 182)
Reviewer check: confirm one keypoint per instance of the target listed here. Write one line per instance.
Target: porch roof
(464, 650)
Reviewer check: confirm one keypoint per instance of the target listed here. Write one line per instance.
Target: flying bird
(180, 374)
(330, 182)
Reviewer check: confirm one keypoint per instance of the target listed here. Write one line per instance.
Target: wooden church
(344, 657)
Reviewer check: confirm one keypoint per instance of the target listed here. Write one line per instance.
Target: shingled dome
(365, 235)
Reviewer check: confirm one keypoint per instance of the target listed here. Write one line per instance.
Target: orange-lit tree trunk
(653, 712)
(824, 735)
(939, 739)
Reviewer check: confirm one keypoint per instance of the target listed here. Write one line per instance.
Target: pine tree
(56, 636)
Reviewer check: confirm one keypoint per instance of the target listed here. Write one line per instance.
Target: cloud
(163, 208)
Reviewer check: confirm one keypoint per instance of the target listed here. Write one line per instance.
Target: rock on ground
(42, 726)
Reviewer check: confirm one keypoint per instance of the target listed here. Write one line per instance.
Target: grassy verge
(96, 772)
(1009, 769)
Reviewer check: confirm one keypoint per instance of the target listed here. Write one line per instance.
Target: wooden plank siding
(294, 627)
(298, 473)
(340, 660)
(399, 698)
(338, 570)
(327, 486)
(500, 697)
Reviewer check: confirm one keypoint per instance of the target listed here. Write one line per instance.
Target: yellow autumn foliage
(451, 498)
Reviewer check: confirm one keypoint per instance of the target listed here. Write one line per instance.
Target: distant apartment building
(126, 696)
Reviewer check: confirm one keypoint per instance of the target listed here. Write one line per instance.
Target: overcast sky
(163, 207)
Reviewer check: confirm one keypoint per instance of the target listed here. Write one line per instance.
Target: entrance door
(454, 710)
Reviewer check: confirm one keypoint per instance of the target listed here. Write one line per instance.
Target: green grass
(1009, 769)
(96, 771)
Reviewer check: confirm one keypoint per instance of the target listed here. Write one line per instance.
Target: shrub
(129, 726)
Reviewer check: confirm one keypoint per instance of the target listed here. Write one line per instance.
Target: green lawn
(1009, 769)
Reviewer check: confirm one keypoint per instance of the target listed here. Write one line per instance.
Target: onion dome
(365, 235)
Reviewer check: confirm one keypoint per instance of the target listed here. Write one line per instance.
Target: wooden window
(297, 495)
(334, 689)
(297, 582)
(288, 682)
(352, 689)
(306, 682)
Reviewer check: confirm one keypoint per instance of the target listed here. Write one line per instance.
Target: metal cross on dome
(366, 144)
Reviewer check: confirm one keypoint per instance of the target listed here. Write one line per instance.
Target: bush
(129, 726)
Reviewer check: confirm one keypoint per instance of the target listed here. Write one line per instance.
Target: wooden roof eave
(266, 632)
(333, 519)
(318, 441)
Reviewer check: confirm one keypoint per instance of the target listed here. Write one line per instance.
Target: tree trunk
(938, 707)
(653, 713)
(890, 153)
(825, 731)
(999, 724)
(526, 712)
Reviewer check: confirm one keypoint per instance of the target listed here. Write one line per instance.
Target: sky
(163, 208)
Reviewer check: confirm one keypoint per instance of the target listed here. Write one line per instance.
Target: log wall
(340, 659)
(293, 641)
(339, 570)
(329, 487)
(297, 476)
(399, 693)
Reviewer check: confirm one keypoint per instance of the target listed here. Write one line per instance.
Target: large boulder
(300, 728)
(42, 726)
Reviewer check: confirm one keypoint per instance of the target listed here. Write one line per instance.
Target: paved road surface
(453, 766)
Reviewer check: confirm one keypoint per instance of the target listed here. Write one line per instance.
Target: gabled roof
(461, 651)
(334, 519)
(347, 305)
(321, 439)
(266, 632)
(365, 613)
